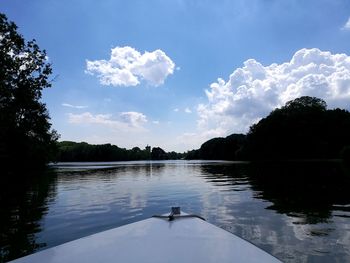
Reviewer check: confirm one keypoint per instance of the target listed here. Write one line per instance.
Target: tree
(302, 129)
(218, 148)
(306, 103)
(25, 130)
(158, 154)
(222, 148)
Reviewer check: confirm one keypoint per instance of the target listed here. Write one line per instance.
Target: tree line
(302, 129)
(83, 152)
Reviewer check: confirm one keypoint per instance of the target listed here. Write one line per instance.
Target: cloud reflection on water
(299, 220)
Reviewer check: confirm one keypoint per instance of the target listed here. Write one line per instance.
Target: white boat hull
(155, 240)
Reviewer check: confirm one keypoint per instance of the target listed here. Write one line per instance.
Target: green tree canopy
(303, 128)
(25, 130)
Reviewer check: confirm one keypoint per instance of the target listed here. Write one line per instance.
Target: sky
(175, 73)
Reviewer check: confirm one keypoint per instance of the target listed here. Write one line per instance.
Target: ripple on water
(292, 224)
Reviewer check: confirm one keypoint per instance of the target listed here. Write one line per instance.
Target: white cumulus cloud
(124, 121)
(254, 90)
(127, 67)
(134, 119)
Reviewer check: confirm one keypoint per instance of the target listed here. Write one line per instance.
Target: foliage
(192, 155)
(25, 134)
(222, 148)
(219, 148)
(302, 129)
(71, 151)
(345, 154)
(158, 154)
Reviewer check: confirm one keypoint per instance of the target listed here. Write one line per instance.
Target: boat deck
(156, 240)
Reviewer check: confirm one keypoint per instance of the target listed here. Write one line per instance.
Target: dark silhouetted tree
(192, 155)
(25, 130)
(301, 129)
(218, 148)
(73, 151)
(158, 154)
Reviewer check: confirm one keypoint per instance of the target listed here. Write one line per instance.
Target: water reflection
(299, 212)
(312, 190)
(23, 203)
(310, 205)
(309, 190)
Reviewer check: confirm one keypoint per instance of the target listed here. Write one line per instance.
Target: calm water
(299, 212)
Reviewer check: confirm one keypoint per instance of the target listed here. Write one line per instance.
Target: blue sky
(161, 86)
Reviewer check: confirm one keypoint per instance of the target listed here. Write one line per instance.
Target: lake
(297, 211)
